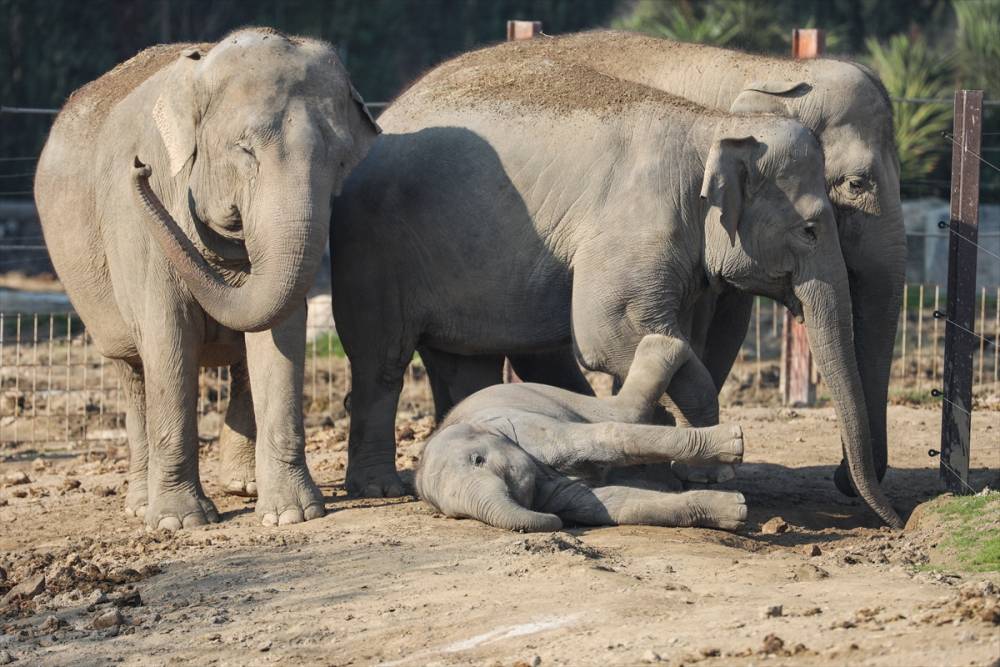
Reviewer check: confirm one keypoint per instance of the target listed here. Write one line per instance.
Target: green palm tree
(910, 69)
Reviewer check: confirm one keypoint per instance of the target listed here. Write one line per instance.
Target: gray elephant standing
(528, 456)
(847, 107)
(203, 255)
(517, 204)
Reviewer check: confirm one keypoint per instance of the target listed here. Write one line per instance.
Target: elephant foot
(726, 510)
(176, 509)
(375, 482)
(288, 495)
(237, 466)
(137, 497)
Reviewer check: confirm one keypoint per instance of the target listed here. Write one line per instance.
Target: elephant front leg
(237, 465)
(286, 492)
(371, 449)
(176, 499)
(133, 385)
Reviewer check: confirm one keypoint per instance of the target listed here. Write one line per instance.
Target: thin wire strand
(945, 225)
(951, 138)
(938, 314)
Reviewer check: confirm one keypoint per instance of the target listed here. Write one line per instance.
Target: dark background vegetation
(926, 48)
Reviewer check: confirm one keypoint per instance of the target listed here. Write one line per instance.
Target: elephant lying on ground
(517, 204)
(529, 456)
(847, 107)
(203, 255)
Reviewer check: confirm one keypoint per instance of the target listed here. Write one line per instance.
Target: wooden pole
(959, 343)
(518, 30)
(797, 384)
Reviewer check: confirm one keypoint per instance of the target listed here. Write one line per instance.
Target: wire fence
(57, 391)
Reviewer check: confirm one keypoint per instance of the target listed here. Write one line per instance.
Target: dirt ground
(391, 582)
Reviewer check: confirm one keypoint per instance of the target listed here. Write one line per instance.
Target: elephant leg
(556, 367)
(371, 448)
(726, 332)
(169, 355)
(625, 505)
(569, 446)
(454, 377)
(134, 388)
(286, 492)
(237, 466)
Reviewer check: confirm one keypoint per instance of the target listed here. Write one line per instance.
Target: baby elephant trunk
(489, 501)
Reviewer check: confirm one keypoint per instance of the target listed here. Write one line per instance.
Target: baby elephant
(528, 456)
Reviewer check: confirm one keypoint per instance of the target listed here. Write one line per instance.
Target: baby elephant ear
(769, 96)
(730, 177)
(175, 112)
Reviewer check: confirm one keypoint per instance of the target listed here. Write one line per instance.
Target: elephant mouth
(224, 246)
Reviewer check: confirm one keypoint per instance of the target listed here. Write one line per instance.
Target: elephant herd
(605, 200)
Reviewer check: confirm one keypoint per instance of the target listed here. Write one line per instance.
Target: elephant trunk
(281, 268)
(490, 502)
(876, 283)
(827, 311)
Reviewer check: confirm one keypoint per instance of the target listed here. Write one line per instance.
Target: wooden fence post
(797, 384)
(523, 30)
(959, 341)
(517, 30)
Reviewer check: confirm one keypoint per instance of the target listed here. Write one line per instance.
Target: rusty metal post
(959, 342)
(517, 30)
(797, 384)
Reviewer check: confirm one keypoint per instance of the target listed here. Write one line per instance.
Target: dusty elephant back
(93, 102)
(532, 77)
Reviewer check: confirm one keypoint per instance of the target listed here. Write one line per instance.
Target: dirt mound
(552, 543)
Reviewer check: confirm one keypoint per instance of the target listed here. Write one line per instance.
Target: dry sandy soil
(391, 582)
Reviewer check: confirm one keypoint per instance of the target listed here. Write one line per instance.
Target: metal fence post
(959, 344)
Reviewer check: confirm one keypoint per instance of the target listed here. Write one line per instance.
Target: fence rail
(57, 391)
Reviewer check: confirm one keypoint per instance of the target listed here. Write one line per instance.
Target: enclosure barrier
(58, 392)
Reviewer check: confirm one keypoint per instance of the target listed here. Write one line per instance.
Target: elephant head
(862, 177)
(252, 139)
(478, 473)
(770, 230)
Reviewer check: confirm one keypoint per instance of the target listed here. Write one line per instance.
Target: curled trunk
(285, 252)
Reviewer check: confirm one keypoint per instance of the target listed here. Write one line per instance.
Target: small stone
(4, 502)
(38, 465)
(102, 491)
(16, 478)
(772, 644)
(812, 611)
(129, 599)
(26, 590)
(651, 656)
(264, 647)
(774, 526)
(6, 658)
(809, 572)
(772, 611)
(111, 618)
(812, 550)
(50, 624)
(69, 484)
(990, 614)
(710, 652)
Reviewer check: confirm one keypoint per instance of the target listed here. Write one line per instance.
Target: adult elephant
(519, 203)
(201, 254)
(847, 107)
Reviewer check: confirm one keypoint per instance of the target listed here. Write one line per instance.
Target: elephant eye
(477, 459)
(855, 185)
(810, 230)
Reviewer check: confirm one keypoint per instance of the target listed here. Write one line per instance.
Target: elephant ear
(360, 101)
(731, 176)
(176, 114)
(769, 96)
